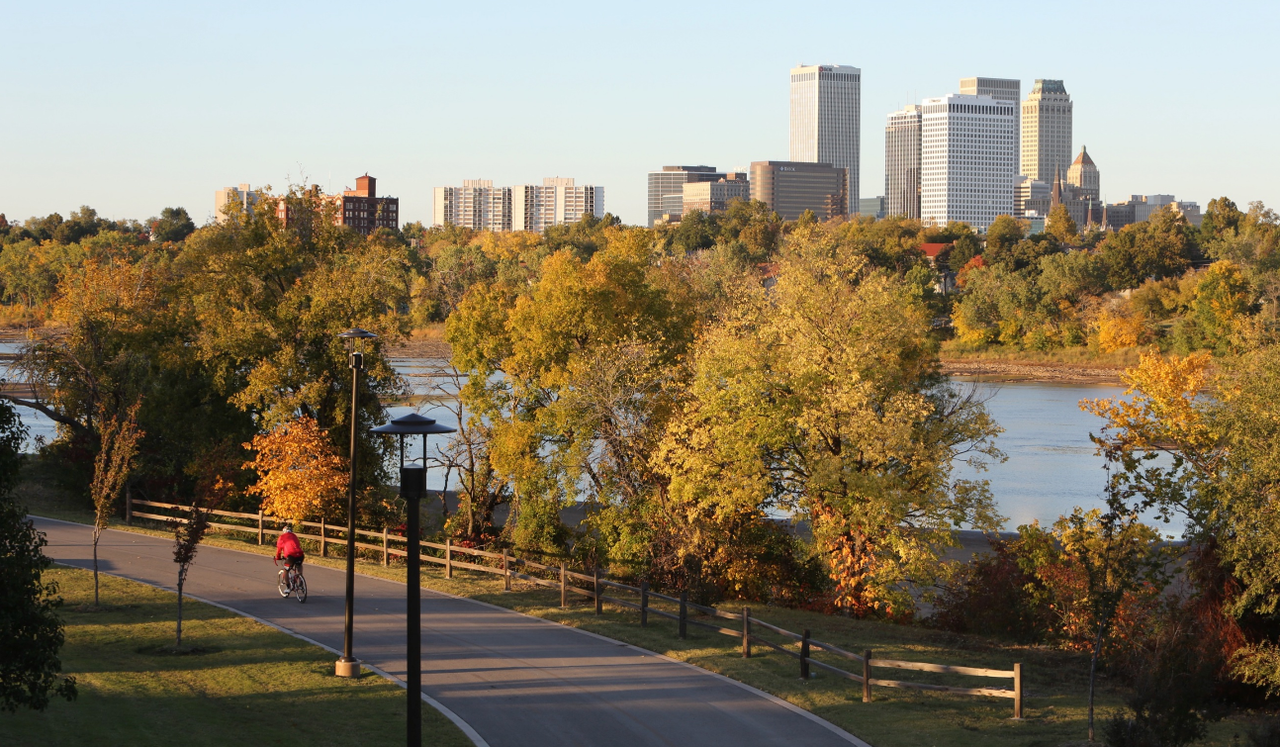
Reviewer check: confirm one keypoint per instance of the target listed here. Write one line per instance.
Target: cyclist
(288, 547)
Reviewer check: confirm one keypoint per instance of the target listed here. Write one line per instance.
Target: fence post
(385, 559)
(448, 557)
(1017, 691)
(128, 505)
(684, 612)
(644, 604)
(324, 546)
(259, 526)
(564, 589)
(506, 571)
(599, 608)
(866, 676)
(804, 655)
(746, 632)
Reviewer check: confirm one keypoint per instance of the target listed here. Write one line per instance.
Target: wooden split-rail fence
(642, 600)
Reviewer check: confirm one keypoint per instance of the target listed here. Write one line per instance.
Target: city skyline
(168, 119)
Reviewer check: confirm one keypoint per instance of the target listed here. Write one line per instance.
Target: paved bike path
(516, 680)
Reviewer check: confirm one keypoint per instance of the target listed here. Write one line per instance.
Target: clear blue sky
(134, 106)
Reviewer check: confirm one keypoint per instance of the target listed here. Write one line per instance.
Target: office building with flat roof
(1046, 131)
(826, 119)
(666, 189)
(872, 207)
(1001, 89)
(902, 163)
(714, 197)
(1030, 198)
(790, 188)
(967, 160)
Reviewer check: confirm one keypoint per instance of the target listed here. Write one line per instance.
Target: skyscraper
(902, 162)
(826, 116)
(966, 159)
(477, 205)
(1001, 89)
(1046, 130)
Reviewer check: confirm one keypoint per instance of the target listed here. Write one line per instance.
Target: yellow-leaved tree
(300, 474)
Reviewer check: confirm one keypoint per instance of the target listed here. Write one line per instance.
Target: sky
(131, 107)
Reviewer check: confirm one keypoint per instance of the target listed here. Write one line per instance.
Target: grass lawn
(252, 684)
(1054, 682)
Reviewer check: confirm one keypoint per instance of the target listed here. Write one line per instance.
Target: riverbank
(1001, 371)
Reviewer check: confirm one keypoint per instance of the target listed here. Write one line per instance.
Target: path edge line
(444, 710)
(475, 737)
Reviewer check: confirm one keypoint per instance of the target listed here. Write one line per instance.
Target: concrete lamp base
(347, 668)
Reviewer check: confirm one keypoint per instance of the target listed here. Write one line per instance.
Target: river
(1051, 463)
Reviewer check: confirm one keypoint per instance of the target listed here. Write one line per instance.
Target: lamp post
(348, 665)
(413, 484)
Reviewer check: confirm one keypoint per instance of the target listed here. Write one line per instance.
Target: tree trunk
(182, 573)
(96, 534)
(1093, 672)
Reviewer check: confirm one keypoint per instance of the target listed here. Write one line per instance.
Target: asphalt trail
(516, 680)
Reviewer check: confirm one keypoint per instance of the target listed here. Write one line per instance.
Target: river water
(1051, 465)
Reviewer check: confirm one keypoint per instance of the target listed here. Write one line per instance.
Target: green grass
(1054, 681)
(252, 685)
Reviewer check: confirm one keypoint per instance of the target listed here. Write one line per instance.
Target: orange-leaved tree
(300, 473)
(118, 447)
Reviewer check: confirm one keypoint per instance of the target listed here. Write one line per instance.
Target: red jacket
(287, 546)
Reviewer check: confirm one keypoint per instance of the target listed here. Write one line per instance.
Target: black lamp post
(413, 485)
(348, 666)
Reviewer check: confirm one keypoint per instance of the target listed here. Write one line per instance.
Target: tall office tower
(555, 202)
(666, 188)
(477, 205)
(967, 164)
(1000, 89)
(902, 162)
(826, 116)
(1084, 176)
(1046, 130)
(791, 187)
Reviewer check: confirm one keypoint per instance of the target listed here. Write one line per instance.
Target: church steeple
(1055, 197)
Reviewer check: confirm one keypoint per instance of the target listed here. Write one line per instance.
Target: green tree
(30, 632)
(1003, 233)
(173, 225)
(1061, 226)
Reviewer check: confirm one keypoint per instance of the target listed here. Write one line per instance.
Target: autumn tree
(1061, 226)
(300, 474)
(823, 397)
(118, 445)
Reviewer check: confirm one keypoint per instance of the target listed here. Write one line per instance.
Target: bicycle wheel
(283, 582)
(300, 587)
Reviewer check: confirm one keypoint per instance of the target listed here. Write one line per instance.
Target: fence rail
(528, 570)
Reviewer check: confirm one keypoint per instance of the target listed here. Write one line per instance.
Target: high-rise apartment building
(790, 188)
(666, 188)
(826, 117)
(1084, 177)
(902, 163)
(1046, 130)
(714, 197)
(967, 163)
(477, 205)
(242, 196)
(557, 201)
(1001, 89)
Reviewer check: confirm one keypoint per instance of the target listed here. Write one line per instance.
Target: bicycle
(291, 581)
